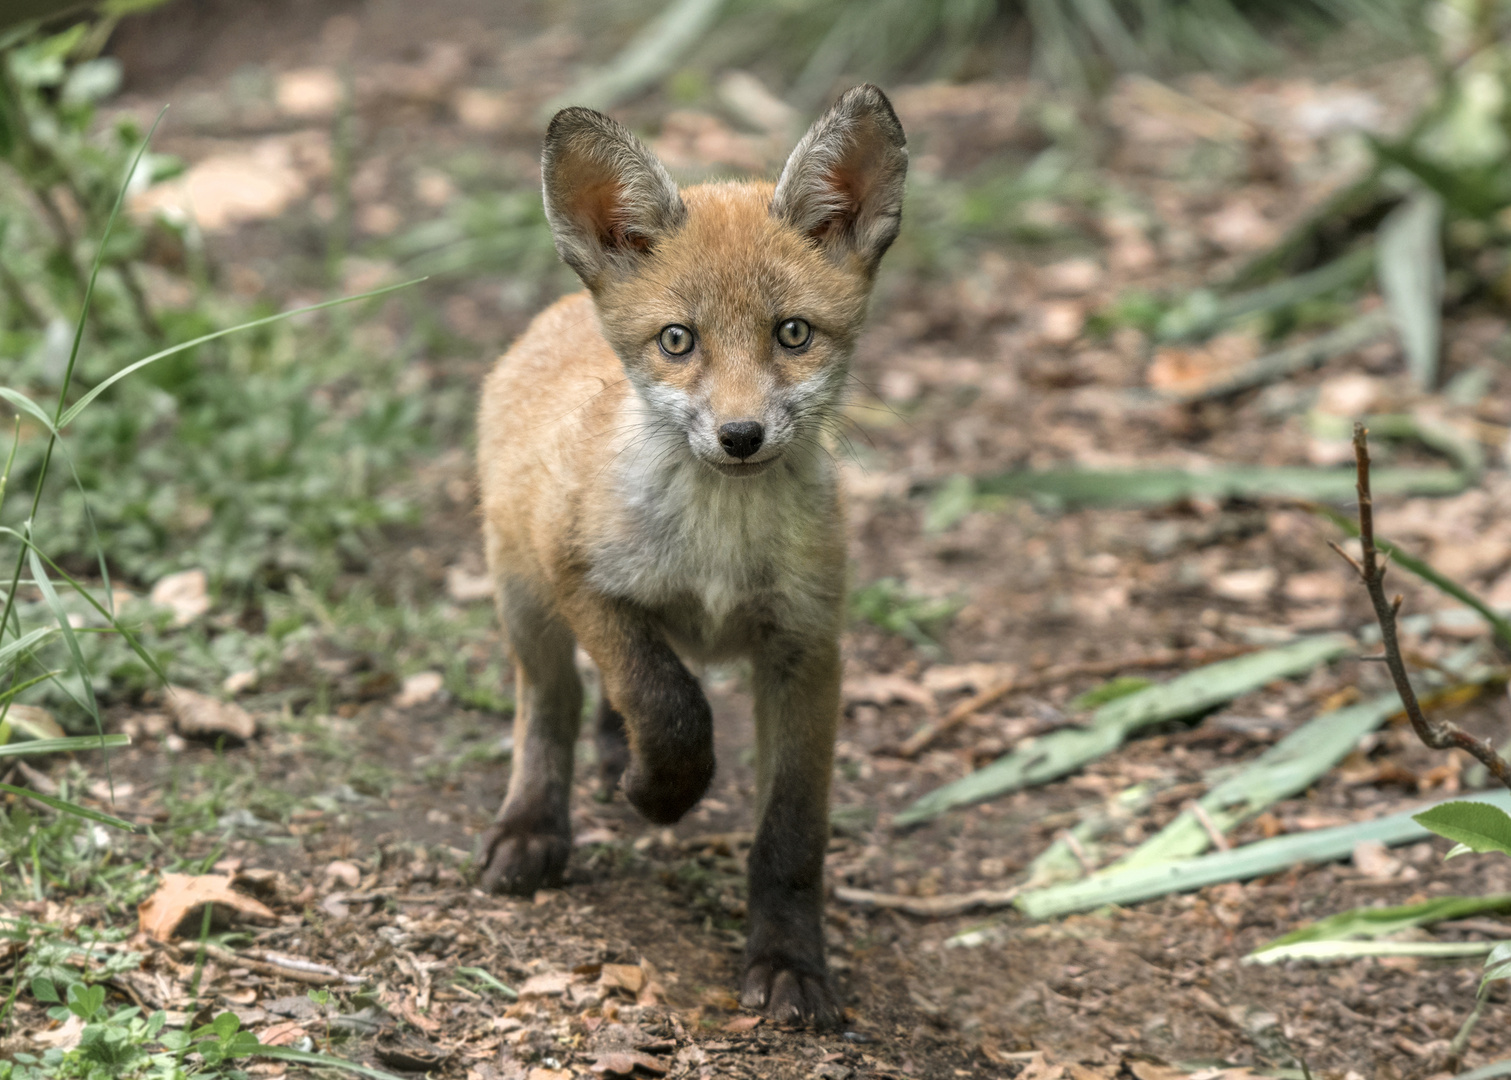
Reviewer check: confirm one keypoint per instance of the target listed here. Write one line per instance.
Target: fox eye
(793, 333)
(676, 340)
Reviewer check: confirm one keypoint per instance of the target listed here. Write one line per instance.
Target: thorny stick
(1437, 734)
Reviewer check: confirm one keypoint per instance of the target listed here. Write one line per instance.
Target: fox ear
(607, 197)
(842, 186)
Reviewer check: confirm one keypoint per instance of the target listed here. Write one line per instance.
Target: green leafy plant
(888, 604)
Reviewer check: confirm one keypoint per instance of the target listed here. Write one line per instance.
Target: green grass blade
(99, 258)
(1290, 766)
(83, 403)
(66, 807)
(50, 595)
(63, 746)
(1352, 950)
(1062, 752)
(36, 637)
(1373, 922)
(28, 406)
(115, 626)
(7, 695)
(1238, 864)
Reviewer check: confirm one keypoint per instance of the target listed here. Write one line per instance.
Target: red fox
(655, 485)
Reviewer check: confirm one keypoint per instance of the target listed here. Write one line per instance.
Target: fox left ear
(842, 186)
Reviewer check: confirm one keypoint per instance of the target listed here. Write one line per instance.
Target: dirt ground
(977, 365)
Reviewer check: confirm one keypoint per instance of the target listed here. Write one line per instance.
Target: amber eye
(793, 333)
(676, 340)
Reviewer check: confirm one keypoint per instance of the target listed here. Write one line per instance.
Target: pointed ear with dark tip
(843, 184)
(607, 197)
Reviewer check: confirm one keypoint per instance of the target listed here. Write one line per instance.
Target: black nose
(741, 438)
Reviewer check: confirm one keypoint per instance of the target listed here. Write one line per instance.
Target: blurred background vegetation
(287, 463)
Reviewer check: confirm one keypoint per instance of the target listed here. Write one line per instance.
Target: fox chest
(711, 556)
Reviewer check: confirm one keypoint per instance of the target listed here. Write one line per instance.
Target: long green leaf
(63, 746)
(78, 587)
(1288, 767)
(22, 644)
(1410, 268)
(28, 406)
(1374, 922)
(1062, 752)
(66, 807)
(1352, 950)
(83, 402)
(1238, 864)
(1155, 487)
(50, 595)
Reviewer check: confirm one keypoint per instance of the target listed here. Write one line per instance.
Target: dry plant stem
(928, 907)
(1437, 734)
(925, 736)
(283, 969)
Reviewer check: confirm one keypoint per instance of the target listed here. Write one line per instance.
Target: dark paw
(664, 795)
(789, 995)
(519, 860)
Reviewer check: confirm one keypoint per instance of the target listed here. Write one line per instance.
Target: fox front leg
(654, 701)
(797, 710)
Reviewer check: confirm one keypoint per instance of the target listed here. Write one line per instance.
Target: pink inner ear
(600, 207)
(845, 185)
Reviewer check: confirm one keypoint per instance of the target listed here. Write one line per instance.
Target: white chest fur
(724, 543)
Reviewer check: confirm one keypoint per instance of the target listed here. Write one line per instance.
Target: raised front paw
(519, 858)
(790, 993)
(663, 794)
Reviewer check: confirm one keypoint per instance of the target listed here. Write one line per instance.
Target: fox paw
(665, 795)
(519, 860)
(789, 995)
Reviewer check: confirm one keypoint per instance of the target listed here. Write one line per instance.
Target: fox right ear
(607, 197)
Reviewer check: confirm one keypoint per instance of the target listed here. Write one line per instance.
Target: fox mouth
(745, 468)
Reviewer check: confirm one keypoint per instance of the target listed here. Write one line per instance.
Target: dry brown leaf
(1041, 1068)
(885, 689)
(201, 716)
(628, 977)
(181, 896)
(35, 721)
(419, 688)
(541, 1073)
(285, 1034)
(186, 594)
(624, 1063)
(1182, 370)
(743, 1023)
(1148, 1070)
(549, 984)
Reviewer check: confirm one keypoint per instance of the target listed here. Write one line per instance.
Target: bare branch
(1437, 734)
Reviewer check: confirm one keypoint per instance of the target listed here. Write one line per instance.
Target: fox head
(734, 307)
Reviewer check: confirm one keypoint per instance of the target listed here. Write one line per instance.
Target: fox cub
(655, 486)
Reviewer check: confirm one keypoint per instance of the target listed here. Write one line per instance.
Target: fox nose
(741, 438)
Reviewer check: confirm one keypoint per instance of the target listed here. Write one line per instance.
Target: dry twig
(1437, 734)
(920, 740)
(928, 907)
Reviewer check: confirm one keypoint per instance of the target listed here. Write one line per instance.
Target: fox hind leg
(613, 743)
(528, 845)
